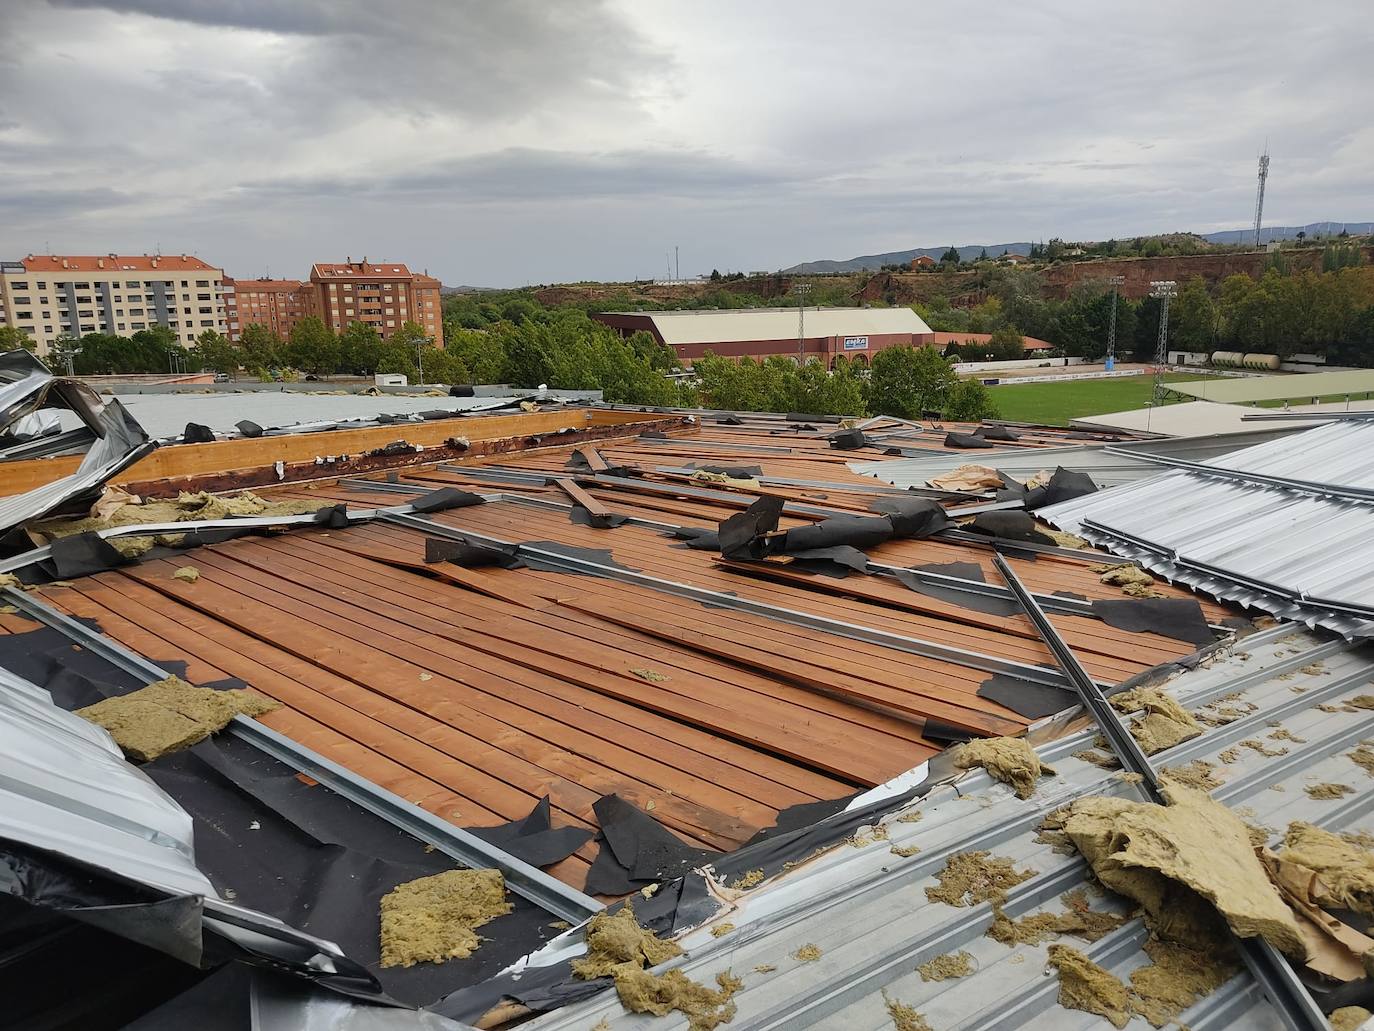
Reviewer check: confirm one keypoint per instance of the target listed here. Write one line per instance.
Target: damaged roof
(599, 649)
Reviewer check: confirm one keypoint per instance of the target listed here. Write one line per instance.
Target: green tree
(480, 352)
(1193, 317)
(951, 256)
(360, 349)
(444, 366)
(970, 401)
(527, 361)
(262, 348)
(216, 351)
(313, 347)
(1006, 345)
(906, 381)
(12, 338)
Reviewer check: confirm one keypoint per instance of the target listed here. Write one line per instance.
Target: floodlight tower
(1259, 192)
(1115, 283)
(1165, 290)
(801, 290)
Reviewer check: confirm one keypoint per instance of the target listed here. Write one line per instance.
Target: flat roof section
(711, 326)
(1278, 388)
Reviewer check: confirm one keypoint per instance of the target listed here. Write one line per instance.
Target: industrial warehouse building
(825, 333)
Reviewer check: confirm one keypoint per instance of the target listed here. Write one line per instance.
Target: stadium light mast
(1115, 282)
(801, 290)
(1165, 290)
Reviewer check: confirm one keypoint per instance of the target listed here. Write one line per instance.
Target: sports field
(1056, 403)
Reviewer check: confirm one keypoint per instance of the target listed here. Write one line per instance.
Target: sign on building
(856, 343)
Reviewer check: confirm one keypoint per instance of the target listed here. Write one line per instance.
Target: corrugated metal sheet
(1291, 551)
(708, 327)
(1108, 469)
(864, 906)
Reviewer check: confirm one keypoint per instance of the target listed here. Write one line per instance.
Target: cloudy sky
(531, 141)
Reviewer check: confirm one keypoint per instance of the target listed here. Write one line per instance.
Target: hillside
(969, 252)
(877, 261)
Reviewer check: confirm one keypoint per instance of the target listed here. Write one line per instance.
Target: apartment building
(277, 304)
(385, 295)
(51, 296)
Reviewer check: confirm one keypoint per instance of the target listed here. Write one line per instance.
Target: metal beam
(545, 891)
(854, 631)
(1276, 977)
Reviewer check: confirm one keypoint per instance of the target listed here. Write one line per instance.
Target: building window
(200, 282)
(132, 286)
(121, 325)
(22, 300)
(202, 297)
(27, 316)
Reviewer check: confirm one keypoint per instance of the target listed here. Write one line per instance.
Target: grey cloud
(542, 175)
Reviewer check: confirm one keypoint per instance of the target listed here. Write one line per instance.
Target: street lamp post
(1165, 290)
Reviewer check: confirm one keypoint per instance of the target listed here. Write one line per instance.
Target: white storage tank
(1253, 360)
(1228, 359)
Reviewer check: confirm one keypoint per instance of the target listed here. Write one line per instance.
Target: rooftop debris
(1344, 868)
(1363, 756)
(747, 880)
(721, 930)
(1328, 791)
(1083, 985)
(190, 574)
(434, 919)
(1188, 864)
(808, 953)
(973, 877)
(1177, 977)
(1009, 759)
(904, 1017)
(1262, 749)
(116, 508)
(641, 991)
(943, 968)
(1106, 762)
(1348, 1018)
(1165, 722)
(1066, 540)
(170, 715)
(1198, 774)
(616, 942)
(1132, 580)
(1078, 919)
(905, 851)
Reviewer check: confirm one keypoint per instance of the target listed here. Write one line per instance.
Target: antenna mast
(1259, 193)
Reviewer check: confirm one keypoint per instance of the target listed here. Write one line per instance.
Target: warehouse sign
(856, 343)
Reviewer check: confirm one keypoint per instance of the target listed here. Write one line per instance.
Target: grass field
(1056, 403)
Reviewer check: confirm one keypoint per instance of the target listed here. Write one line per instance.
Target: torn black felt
(82, 554)
(1010, 526)
(914, 518)
(1010, 484)
(195, 433)
(965, 441)
(445, 498)
(837, 561)
(1025, 697)
(469, 556)
(1177, 618)
(806, 417)
(1064, 485)
(580, 515)
(967, 599)
(847, 440)
(636, 850)
(534, 839)
(461, 390)
(739, 534)
(333, 516)
(947, 733)
(995, 432)
(248, 428)
(697, 537)
(730, 420)
(856, 531)
(599, 556)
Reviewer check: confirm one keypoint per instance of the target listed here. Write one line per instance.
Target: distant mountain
(1312, 231)
(877, 261)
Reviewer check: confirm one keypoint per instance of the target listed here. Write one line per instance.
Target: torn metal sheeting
(121, 443)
